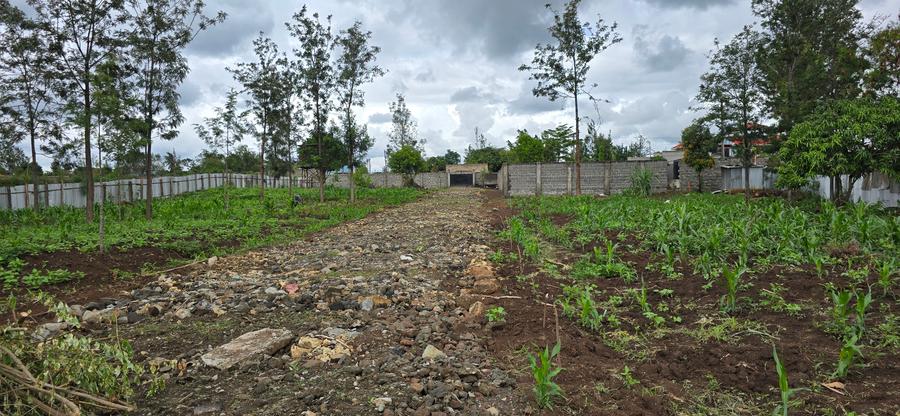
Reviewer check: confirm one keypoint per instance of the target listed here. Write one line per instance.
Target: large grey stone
(264, 341)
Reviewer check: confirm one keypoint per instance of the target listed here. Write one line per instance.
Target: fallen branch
(498, 297)
(176, 268)
(33, 390)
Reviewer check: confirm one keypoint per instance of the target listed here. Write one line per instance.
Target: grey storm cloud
(658, 53)
(526, 103)
(695, 4)
(239, 28)
(190, 93)
(380, 118)
(499, 29)
(427, 76)
(469, 94)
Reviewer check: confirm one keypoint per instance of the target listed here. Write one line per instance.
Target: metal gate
(462, 179)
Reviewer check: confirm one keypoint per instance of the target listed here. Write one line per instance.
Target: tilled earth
(367, 319)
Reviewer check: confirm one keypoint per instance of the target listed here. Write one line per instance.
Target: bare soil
(677, 372)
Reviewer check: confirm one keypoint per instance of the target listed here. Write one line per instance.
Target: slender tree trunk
(148, 202)
(88, 165)
(102, 230)
(838, 190)
(577, 135)
(700, 181)
(34, 167)
(262, 167)
(746, 156)
(227, 179)
(351, 144)
(321, 185)
(290, 172)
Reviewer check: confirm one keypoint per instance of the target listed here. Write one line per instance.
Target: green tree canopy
(698, 141)
(406, 160)
(494, 157)
(847, 137)
(526, 148)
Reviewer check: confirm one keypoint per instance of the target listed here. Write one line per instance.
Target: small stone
(486, 286)
(76, 310)
(406, 259)
(367, 304)
(493, 411)
(476, 311)
(182, 313)
(417, 387)
(432, 353)
(264, 341)
(48, 330)
(381, 402)
(212, 261)
(134, 318)
(207, 408)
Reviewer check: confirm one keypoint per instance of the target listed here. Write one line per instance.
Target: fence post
(162, 191)
(130, 191)
(171, 188)
(606, 180)
(46, 194)
(568, 179)
(9, 198)
(61, 195)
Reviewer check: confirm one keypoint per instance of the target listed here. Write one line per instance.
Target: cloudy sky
(456, 61)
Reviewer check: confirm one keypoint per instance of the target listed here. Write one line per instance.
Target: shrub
(361, 177)
(641, 180)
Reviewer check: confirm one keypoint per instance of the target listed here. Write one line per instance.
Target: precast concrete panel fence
(606, 178)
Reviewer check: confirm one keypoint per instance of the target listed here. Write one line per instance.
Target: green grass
(195, 224)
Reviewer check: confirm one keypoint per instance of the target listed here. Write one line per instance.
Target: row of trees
(829, 81)
(84, 74)
(301, 107)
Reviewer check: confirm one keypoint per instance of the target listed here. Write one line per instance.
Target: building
(469, 174)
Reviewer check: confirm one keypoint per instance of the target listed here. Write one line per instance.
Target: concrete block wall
(556, 179)
(596, 178)
(521, 179)
(688, 179)
(427, 180)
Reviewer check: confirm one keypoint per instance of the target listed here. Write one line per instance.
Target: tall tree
(118, 125)
(734, 81)
(809, 53)
(159, 32)
(83, 33)
(883, 55)
(262, 82)
(224, 130)
(561, 68)
(845, 137)
(356, 67)
(30, 74)
(318, 79)
(526, 148)
(404, 131)
(451, 157)
(697, 141)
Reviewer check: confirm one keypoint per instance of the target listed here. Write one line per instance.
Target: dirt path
(366, 320)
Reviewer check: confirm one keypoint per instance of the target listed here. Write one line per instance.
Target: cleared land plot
(647, 324)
